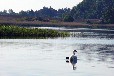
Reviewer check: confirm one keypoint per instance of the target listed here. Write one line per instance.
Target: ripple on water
(47, 56)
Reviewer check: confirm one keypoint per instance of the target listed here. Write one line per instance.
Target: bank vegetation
(24, 32)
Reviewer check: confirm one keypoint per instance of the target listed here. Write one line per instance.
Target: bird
(73, 59)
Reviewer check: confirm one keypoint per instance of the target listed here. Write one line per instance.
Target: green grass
(22, 32)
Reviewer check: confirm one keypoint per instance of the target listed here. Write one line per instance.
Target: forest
(94, 9)
(43, 14)
(101, 10)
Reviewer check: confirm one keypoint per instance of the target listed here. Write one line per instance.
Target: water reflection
(25, 57)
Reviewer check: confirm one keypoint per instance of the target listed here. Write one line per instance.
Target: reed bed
(23, 32)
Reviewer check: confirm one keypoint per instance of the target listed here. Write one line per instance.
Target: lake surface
(46, 57)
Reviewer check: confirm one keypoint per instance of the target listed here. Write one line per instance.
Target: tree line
(87, 9)
(45, 12)
(94, 9)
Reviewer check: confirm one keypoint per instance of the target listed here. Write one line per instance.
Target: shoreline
(58, 24)
(69, 26)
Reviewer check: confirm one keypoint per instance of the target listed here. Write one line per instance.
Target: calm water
(46, 57)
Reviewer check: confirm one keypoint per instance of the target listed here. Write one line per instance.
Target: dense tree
(108, 16)
(31, 13)
(68, 18)
(39, 14)
(85, 9)
(11, 12)
(47, 12)
(93, 9)
(4, 12)
(63, 12)
(23, 13)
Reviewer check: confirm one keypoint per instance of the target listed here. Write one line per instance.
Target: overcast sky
(18, 5)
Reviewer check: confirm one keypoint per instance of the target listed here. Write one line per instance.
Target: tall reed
(22, 32)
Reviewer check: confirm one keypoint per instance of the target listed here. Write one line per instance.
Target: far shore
(57, 24)
(97, 28)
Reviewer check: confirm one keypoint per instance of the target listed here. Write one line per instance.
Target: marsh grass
(22, 32)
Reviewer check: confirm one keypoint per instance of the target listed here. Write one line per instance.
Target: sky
(18, 5)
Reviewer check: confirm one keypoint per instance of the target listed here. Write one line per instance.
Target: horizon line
(35, 9)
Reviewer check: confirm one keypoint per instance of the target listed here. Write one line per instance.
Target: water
(46, 57)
